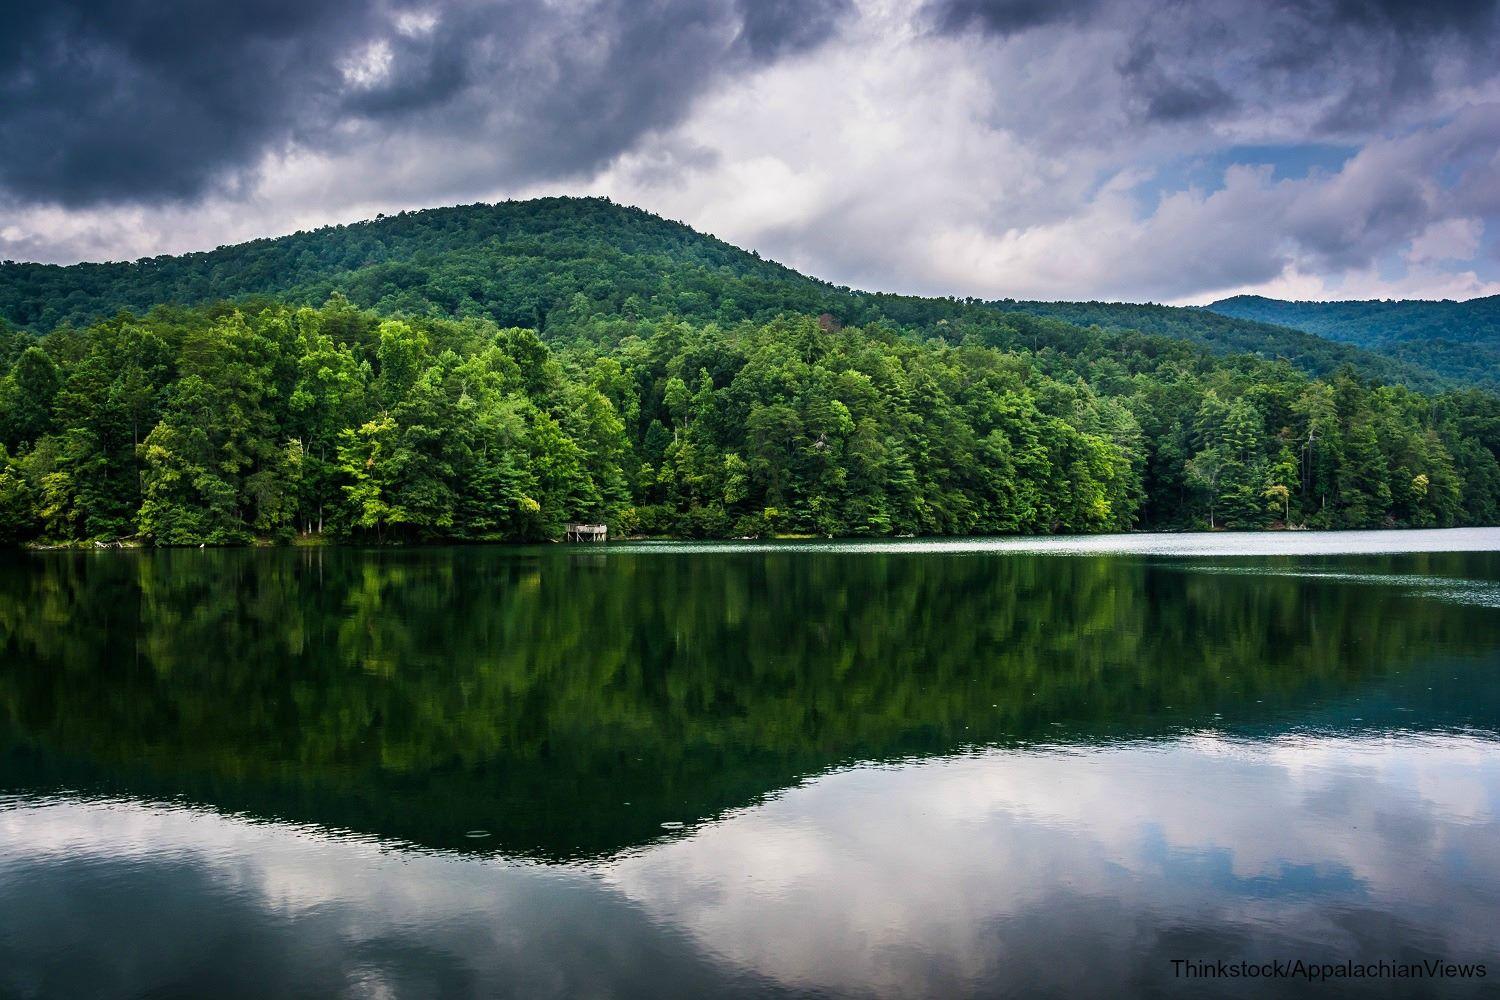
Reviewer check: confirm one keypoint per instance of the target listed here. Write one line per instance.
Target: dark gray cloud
(109, 101)
(772, 28)
(1363, 61)
(1004, 17)
(1159, 95)
(103, 100)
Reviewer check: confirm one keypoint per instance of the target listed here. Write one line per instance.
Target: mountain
(1229, 335)
(549, 263)
(513, 262)
(1459, 340)
(496, 372)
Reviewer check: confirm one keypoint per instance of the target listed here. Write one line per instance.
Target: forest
(547, 263)
(493, 372)
(261, 420)
(1457, 340)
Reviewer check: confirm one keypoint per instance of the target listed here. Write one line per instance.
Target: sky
(1176, 151)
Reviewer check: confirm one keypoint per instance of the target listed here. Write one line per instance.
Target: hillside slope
(512, 262)
(1460, 340)
(1228, 335)
(551, 263)
(494, 373)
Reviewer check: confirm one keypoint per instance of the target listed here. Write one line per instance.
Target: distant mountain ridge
(544, 262)
(1460, 340)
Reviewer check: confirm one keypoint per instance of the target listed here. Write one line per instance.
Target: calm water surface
(890, 769)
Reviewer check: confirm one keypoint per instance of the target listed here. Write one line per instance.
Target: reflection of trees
(424, 693)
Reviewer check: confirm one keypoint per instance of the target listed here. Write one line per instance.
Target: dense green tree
(561, 266)
(367, 461)
(17, 506)
(27, 396)
(231, 422)
(1458, 339)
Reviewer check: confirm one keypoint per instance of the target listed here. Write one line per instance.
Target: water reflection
(1050, 871)
(898, 772)
(1010, 871)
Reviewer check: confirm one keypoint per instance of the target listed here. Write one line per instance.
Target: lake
(1044, 767)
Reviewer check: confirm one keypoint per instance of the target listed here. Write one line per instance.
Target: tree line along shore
(271, 421)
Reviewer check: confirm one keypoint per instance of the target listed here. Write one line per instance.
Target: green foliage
(495, 371)
(1459, 340)
(225, 424)
(560, 265)
(1237, 333)
(18, 507)
(27, 394)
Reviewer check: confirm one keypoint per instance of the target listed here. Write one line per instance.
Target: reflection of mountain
(571, 703)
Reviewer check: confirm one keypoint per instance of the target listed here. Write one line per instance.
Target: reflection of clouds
(941, 864)
(1022, 870)
(146, 898)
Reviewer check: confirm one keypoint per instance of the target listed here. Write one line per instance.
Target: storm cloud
(1362, 61)
(1173, 151)
(160, 100)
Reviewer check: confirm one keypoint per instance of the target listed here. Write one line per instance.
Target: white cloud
(1450, 239)
(891, 160)
(370, 66)
(415, 23)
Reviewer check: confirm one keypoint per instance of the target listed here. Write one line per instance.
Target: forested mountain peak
(433, 261)
(554, 264)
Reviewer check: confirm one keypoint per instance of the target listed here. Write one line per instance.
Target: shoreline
(328, 541)
(1264, 541)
